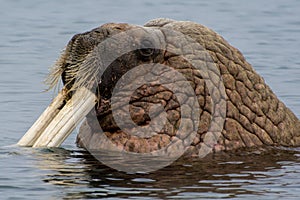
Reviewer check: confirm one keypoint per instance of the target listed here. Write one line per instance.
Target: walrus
(253, 116)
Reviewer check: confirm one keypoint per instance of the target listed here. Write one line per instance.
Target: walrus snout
(75, 74)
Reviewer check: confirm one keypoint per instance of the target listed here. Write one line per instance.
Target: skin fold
(254, 116)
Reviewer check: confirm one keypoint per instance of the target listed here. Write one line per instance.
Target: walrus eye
(146, 48)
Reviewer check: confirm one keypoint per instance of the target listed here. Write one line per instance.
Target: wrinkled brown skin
(254, 115)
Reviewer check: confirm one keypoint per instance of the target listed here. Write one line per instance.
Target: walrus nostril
(146, 48)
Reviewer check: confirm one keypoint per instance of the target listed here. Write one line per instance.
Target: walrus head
(231, 106)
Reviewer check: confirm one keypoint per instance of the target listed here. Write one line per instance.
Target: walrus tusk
(43, 121)
(59, 119)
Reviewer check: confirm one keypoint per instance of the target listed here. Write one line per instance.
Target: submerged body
(254, 116)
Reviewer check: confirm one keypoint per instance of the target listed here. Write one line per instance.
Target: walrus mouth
(72, 103)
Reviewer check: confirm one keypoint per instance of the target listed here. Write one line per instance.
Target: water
(32, 34)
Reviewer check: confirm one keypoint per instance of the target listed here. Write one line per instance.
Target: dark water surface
(32, 34)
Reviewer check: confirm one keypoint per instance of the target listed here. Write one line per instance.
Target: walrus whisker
(55, 72)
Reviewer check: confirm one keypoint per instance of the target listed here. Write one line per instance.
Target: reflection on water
(244, 175)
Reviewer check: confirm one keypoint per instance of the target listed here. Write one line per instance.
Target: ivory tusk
(58, 121)
(66, 120)
(43, 121)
